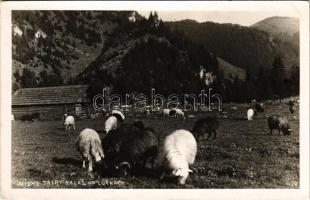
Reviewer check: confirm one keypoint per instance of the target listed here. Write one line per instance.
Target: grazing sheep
(166, 112)
(280, 123)
(292, 109)
(206, 125)
(69, 122)
(179, 113)
(177, 153)
(129, 144)
(118, 114)
(291, 102)
(147, 111)
(172, 113)
(110, 124)
(292, 106)
(112, 121)
(250, 114)
(114, 140)
(259, 107)
(139, 149)
(88, 144)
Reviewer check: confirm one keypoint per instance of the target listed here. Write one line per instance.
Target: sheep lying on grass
(88, 144)
(176, 154)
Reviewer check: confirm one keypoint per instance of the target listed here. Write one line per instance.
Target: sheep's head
(287, 130)
(98, 157)
(181, 174)
(123, 168)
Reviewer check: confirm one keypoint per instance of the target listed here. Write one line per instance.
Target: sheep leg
(279, 131)
(73, 127)
(90, 163)
(163, 174)
(84, 163)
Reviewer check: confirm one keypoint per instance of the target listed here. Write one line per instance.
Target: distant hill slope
(245, 47)
(53, 47)
(284, 28)
(231, 71)
(275, 25)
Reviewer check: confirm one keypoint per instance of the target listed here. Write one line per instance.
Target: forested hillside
(126, 52)
(245, 47)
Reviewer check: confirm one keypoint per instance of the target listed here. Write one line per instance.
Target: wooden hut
(52, 102)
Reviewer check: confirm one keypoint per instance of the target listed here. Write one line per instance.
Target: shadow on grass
(67, 161)
(109, 171)
(239, 118)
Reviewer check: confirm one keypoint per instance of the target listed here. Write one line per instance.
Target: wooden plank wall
(50, 112)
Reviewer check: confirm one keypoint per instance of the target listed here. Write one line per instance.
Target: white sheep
(110, 124)
(118, 114)
(89, 145)
(177, 153)
(166, 112)
(68, 122)
(179, 113)
(250, 114)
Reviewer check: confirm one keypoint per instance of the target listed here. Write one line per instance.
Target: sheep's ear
(189, 170)
(176, 172)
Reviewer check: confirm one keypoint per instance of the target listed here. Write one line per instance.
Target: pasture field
(243, 155)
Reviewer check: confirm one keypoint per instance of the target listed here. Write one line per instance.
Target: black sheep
(112, 142)
(138, 151)
(280, 123)
(259, 107)
(291, 103)
(128, 145)
(206, 125)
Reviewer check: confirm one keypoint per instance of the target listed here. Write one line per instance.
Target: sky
(235, 17)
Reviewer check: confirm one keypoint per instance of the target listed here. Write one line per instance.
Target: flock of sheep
(130, 146)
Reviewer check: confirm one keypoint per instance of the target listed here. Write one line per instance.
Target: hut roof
(51, 95)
